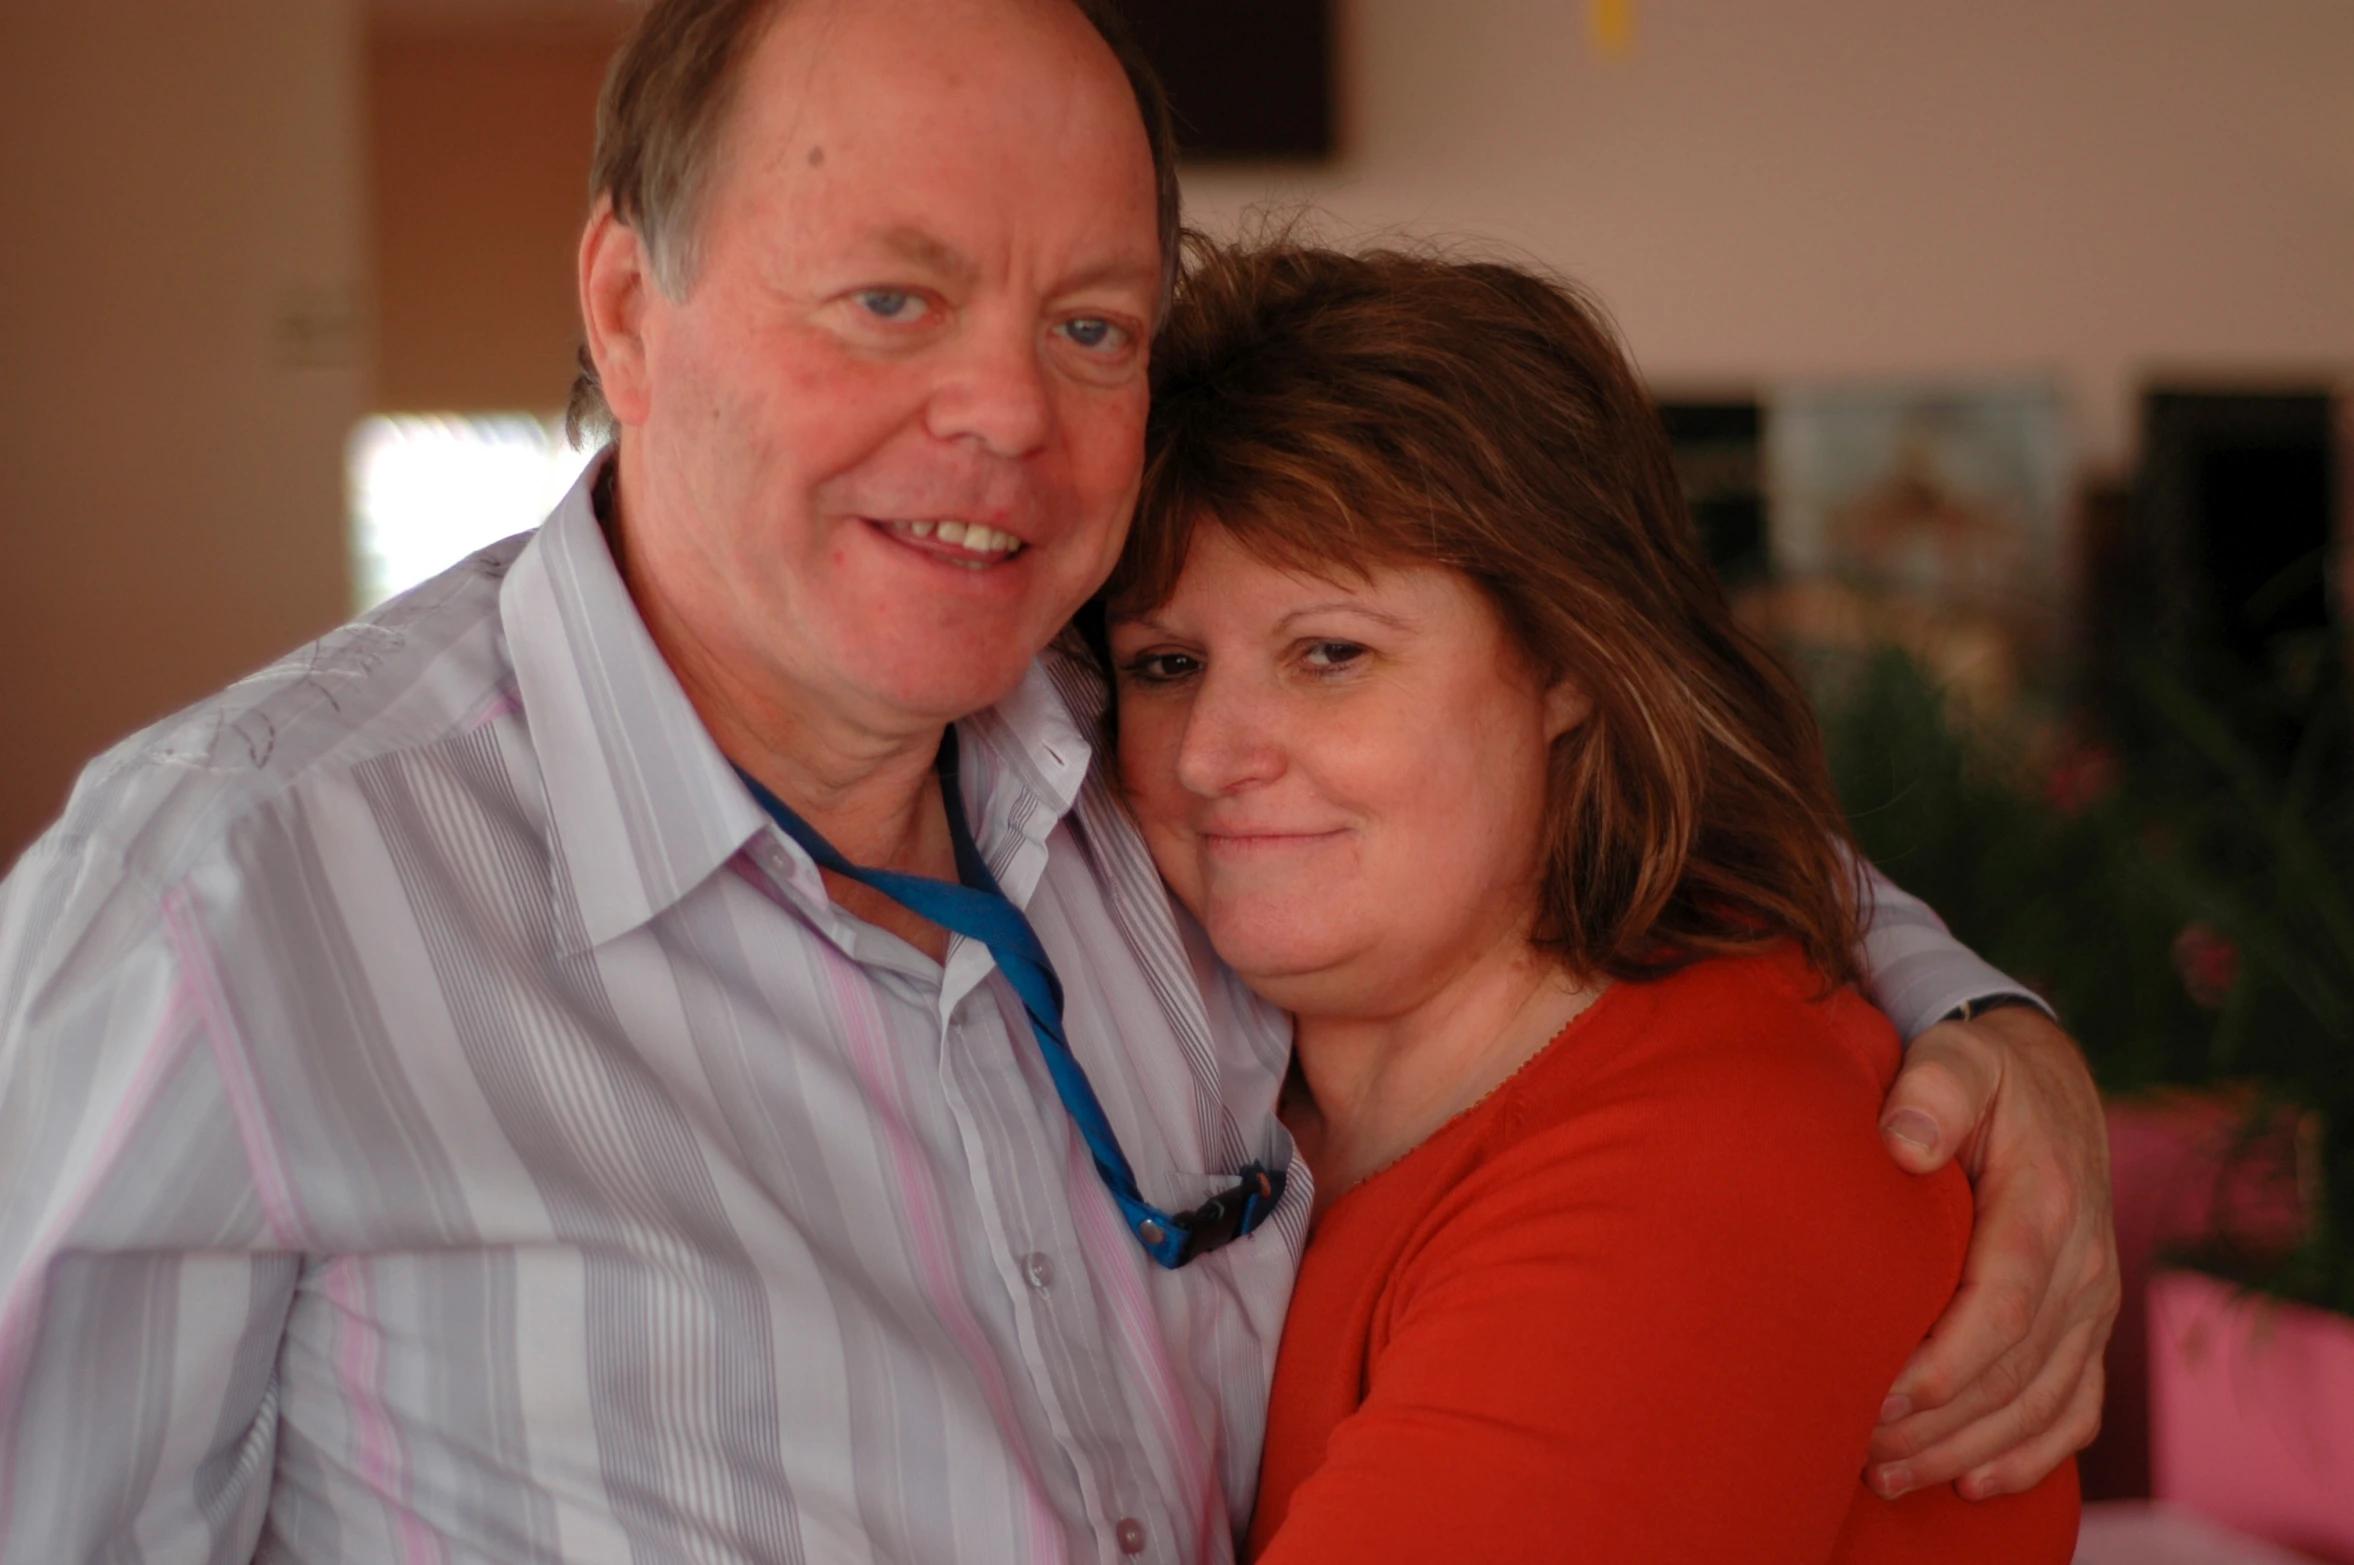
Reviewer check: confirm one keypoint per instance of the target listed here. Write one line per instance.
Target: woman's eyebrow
(1348, 606)
(1147, 623)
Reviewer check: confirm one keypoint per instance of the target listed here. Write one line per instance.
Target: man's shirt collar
(644, 805)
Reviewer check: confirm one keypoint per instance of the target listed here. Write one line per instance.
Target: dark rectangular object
(1717, 457)
(2237, 508)
(1247, 79)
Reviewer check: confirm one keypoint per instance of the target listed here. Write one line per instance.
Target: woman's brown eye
(1334, 654)
(1161, 667)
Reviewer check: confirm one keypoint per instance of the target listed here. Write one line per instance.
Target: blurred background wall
(481, 126)
(183, 356)
(1837, 187)
(237, 228)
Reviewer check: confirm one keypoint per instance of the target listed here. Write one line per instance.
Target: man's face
(889, 440)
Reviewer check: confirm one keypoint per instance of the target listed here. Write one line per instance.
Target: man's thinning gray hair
(667, 101)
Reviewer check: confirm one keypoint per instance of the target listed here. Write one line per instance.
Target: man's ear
(1566, 706)
(616, 286)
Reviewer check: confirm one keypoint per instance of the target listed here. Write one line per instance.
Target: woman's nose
(1231, 740)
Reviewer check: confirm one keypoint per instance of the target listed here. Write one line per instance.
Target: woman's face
(1343, 781)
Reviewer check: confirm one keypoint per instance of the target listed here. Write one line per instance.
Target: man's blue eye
(890, 304)
(1089, 332)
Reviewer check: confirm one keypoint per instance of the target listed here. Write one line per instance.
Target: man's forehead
(925, 147)
(854, 60)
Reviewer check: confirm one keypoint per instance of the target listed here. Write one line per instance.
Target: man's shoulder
(420, 669)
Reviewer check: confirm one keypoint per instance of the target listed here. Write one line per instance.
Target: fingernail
(1892, 1482)
(1913, 1128)
(1896, 1407)
(1976, 1485)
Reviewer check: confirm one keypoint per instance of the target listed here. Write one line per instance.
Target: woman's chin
(1289, 967)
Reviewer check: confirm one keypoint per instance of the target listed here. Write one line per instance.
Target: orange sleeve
(1659, 1329)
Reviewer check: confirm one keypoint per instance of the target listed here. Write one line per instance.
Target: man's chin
(958, 682)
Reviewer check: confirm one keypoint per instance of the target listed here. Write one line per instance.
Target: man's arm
(140, 1312)
(2009, 1383)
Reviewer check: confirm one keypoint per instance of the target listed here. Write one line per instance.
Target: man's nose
(1231, 740)
(996, 392)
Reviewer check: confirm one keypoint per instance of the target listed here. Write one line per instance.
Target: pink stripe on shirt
(878, 1066)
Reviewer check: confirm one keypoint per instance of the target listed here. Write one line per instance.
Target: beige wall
(180, 265)
(480, 138)
(2088, 188)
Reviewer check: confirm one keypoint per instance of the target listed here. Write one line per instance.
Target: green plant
(2267, 861)
(2188, 905)
(2036, 866)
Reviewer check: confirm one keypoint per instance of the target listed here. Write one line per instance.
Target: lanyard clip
(1230, 1214)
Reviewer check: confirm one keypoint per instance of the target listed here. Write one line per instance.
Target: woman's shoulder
(1739, 1096)
(1728, 1036)
(1684, 1202)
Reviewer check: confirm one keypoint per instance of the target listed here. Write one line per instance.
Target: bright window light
(429, 489)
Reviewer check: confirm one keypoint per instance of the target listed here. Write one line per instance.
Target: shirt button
(1038, 1270)
(1131, 1535)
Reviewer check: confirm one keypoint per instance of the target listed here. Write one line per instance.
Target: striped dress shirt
(442, 1119)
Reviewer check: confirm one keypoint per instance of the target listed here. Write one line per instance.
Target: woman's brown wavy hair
(1341, 412)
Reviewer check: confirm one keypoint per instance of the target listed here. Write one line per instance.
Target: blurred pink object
(2138, 1532)
(2208, 963)
(2183, 1168)
(2083, 772)
(2252, 1412)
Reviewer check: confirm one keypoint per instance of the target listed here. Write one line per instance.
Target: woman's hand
(2009, 1383)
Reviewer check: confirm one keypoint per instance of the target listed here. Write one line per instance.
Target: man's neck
(868, 787)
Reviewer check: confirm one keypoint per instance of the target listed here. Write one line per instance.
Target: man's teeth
(970, 537)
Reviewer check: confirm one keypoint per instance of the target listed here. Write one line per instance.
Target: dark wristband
(1971, 1010)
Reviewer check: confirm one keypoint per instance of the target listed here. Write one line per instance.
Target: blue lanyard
(978, 910)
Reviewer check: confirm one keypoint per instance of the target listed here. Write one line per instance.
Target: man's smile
(970, 544)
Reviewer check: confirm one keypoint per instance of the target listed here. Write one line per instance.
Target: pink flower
(2208, 963)
(2083, 773)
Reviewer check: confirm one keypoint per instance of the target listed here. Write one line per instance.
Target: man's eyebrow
(935, 255)
(1122, 272)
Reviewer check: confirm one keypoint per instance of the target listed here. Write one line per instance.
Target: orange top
(1642, 1303)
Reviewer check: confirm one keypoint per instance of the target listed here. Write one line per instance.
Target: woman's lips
(1251, 843)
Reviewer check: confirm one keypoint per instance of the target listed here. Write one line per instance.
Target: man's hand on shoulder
(2008, 1384)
